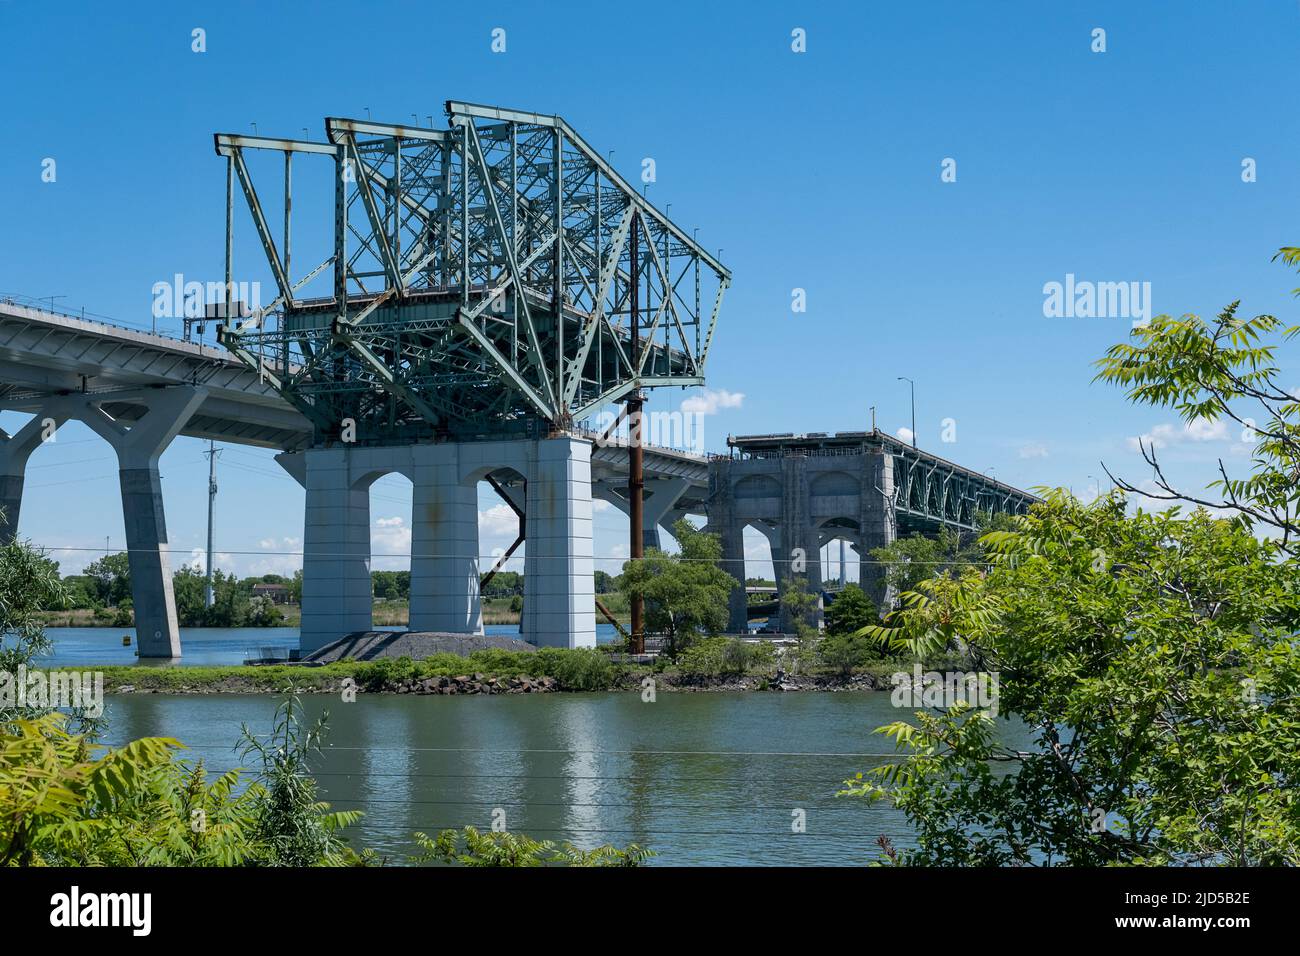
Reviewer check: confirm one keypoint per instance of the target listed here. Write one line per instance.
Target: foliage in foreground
(1153, 663)
(67, 802)
(470, 847)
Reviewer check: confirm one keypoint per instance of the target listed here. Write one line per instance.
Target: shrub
(845, 651)
(579, 668)
(725, 656)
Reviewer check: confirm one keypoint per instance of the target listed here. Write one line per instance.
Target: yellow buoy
(126, 640)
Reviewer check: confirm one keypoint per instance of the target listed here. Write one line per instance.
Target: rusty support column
(635, 471)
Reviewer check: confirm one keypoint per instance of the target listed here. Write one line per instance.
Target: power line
(488, 557)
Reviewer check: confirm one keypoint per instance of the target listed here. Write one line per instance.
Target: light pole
(904, 378)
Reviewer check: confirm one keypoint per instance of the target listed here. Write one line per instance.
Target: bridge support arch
(139, 443)
(559, 587)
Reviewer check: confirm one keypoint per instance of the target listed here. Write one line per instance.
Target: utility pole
(209, 596)
(635, 472)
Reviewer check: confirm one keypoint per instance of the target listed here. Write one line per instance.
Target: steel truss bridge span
(485, 280)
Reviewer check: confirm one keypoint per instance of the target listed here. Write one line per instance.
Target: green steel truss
(929, 491)
(481, 281)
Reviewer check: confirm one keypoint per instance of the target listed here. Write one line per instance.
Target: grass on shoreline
(579, 669)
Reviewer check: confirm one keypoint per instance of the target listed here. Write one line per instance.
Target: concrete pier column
(800, 537)
(138, 447)
(14, 452)
(879, 528)
(559, 585)
(445, 564)
(336, 592)
(780, 566)
(731, 534)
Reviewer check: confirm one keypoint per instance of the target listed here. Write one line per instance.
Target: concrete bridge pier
(879, 527)
(559, 587)
(730, 530)
(139, 445)
(336, 590)
(445, 565)
(15, 450)
(559, 562)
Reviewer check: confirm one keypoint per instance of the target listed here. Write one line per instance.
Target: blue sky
(817, 170)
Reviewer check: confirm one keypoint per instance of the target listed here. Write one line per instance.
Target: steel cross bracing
(931, 490)
(480, 281)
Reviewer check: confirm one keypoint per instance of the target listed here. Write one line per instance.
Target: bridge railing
(44, 305)
(597, 434)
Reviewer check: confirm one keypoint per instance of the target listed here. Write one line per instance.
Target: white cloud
(220, 559)
(499, 521)
(1164, 435)
(905, 434)
(1035, 449)
(711, 400)
(390, 543)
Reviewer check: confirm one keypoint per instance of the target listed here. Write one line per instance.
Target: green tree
(1225, 371)
(112, 578)
(29, 584)
(800, 605)
(850, 611)
(230, 604)
(685, 594)
(262, 612)
(909, 561)
(189, 586)
(81, 592)
(391, 585)
(1152, 662)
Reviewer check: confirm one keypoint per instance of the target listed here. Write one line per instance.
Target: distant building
(278, 593)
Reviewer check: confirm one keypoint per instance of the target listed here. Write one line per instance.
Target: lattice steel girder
(480, 278)
(933, 490)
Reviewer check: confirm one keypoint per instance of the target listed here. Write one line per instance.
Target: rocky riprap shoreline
(474, 684)
(479, 683)
(781, 682)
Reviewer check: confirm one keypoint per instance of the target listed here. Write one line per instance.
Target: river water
(701, 778)
(102, 646)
